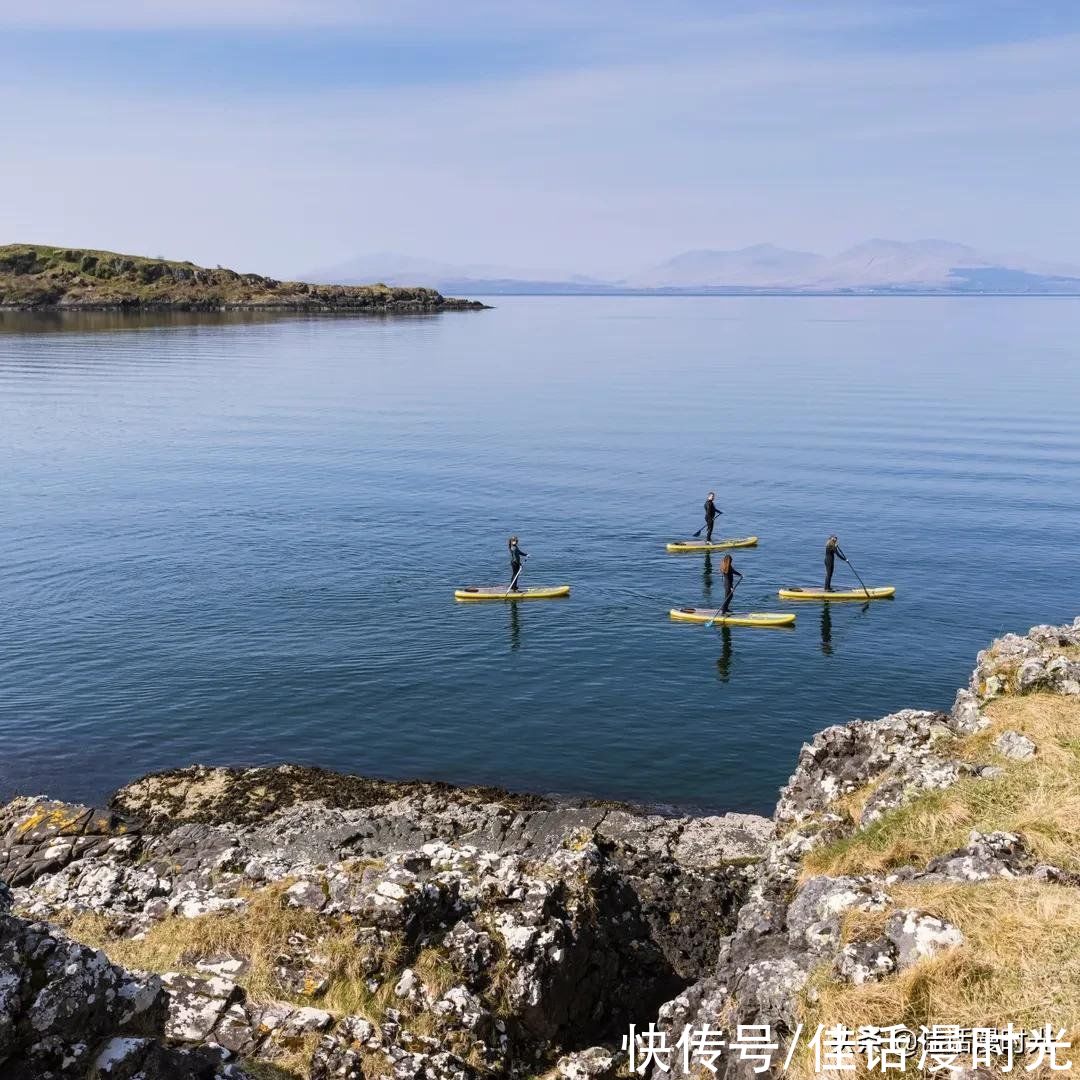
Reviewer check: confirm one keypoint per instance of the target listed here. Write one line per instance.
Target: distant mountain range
(872, 268)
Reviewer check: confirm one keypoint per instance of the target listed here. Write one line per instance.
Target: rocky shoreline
(291, 922)
(34, 277)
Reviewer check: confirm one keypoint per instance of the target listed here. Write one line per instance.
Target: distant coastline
(874, 268)
(532, 289)
(36, 277)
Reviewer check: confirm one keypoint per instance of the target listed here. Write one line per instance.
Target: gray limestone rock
(866, 961)
(595, 1063)
(1015, 745)
(918, 935)
(900, 747)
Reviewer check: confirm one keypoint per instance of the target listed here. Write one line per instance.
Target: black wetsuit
(516, 557)
(729, 588)
(711, 514)
(830, 562)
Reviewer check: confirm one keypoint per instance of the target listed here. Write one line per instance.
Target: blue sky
(282, 135)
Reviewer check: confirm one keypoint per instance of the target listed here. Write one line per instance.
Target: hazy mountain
(762, 264)
(936, 265)
(890, 263)
(889, 266)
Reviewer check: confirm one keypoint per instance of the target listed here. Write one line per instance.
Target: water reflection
(53, 322)
(706, 576)
(515, 626)
(723, 663)
(826, 630)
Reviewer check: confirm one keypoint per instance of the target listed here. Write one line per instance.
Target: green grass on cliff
(38, 258)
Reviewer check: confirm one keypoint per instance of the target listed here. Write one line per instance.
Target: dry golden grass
(1020, 963)
(261, 933)
(1039, 798)
(435, 971)
(852, 804)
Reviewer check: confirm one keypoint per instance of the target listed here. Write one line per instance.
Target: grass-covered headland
(34, 276)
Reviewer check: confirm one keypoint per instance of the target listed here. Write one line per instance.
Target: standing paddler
(711, 514)
(729, 574)
(832, 549)
(517, 557)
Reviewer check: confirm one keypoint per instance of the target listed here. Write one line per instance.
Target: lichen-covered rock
(307, 894)
(126, 1058)
(918, 935)
(813, 916)
(595, 1063)
(966, 717)
(1012, 744)
(66, 1012)
(1021, 664)
(342, 1053)
(39, 836)
(559, 922)
(898, 748)
(866, 961)
(985, 857)
(196, 1005)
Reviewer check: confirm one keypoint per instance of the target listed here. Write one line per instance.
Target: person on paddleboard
(711, 514)
(517, 557)
(729, 574)
(832, 549)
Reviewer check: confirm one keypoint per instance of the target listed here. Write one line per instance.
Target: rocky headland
(923, 868)
(36, 277)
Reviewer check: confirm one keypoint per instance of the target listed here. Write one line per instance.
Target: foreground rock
(477, 933)
(332, 926)
(36, 277)
(66, 1011)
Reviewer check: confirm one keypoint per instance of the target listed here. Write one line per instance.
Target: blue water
(235, 540)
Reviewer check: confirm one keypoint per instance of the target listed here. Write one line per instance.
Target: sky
(590, 136)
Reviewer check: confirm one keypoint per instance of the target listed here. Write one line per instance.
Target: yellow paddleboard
(499, 592)
(716, 545)
(704, 615)
(880, 593)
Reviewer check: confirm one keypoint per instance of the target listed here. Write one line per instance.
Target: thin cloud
(681, 18)
(623, 156)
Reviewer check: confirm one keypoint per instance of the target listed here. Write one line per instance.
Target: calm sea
(234, 540)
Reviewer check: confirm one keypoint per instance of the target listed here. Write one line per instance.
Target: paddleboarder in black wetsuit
(517, 556)
(832, 549)
(711, 514)
(729, 574)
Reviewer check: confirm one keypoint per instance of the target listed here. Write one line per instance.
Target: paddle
(706, 525)
(733, 588)
(861, 582)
